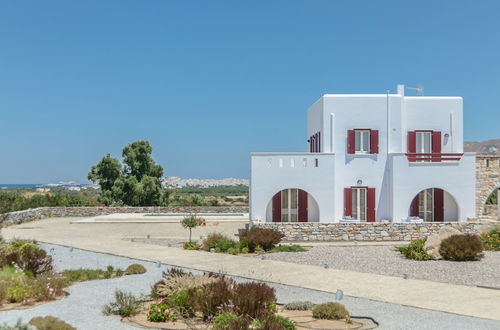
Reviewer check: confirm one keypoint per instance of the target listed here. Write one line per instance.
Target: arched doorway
(292, 205)
(491, 206)
(434, 204)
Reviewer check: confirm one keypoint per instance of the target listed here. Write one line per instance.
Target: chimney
(401, 89)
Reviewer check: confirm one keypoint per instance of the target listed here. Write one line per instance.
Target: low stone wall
(56, 212)
(491, 211)
(368, 231)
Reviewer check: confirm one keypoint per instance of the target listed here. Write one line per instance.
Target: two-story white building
(371, 158)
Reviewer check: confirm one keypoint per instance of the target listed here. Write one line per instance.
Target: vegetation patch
(50, 323)
(330, 311)
(299, 306)
(135, 269)
(415, 250)
(462, 248)
(491, 239)
(125, 304)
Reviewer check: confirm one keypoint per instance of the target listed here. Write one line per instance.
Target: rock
(433, 242)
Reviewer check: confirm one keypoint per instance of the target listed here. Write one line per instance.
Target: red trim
(433, 157)
(412, 142)
(302, 216)
(436, 145)
(374, 141)
(438, 204)
(414, 211)
(277, 207)
(370, 205)
(347, 202)
(351, 141)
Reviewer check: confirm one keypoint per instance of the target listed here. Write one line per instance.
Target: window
(315, 142)
(426, 205)
(424, 142)
(359, 203)
(362, 141)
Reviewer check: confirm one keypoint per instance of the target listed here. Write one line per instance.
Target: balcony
(434, 157)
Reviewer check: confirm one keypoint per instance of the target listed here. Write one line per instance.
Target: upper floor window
(362, 141)
(423, 142)
(424, 146)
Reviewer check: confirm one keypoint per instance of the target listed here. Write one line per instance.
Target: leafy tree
(136, 183)
(192, 221)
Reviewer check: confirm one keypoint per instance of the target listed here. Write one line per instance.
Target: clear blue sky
(207, 82)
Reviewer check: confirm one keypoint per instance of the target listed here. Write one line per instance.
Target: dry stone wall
(367, 231)
(57, 212)
(487, 180)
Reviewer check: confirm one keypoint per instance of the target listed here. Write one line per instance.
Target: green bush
(266, 238)
(125, 304)
(50, 323)
(461, 248)
(191, 245)
(233, 251)
(224, 321)
(135, 269)
(299, 306)
(210, 242)
(162, 312)
(276, 322)
(25, 255)
(288, 248)
(330, 311)
(47, 286)
(18, 326)
(84, 274)
(491, 239)
(415, 250)
(17, 293)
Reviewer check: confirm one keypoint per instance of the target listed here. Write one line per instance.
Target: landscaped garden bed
(182, 300)
(28, 278)
(255, 240)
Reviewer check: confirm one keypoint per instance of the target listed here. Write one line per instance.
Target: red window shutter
(347, 202)
(412, 145)
(438, 204)
(351, 142)
(277, 207)
(370, 205)
(302, 206)
(436, 145)
(412, 142)
(374, 141)
(414, 212)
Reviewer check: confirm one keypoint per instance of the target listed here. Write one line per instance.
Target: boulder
(433, 242)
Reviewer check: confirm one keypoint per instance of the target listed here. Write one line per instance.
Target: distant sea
(19, 186)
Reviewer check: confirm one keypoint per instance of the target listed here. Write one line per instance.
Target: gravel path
(82, 308)
(385, 260)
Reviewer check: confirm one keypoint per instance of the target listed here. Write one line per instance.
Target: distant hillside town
(176, 182)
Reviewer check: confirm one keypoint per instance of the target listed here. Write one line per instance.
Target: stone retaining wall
(56, 212)
(491, 211)
(368, 231)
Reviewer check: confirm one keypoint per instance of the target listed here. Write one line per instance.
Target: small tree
(192, 221)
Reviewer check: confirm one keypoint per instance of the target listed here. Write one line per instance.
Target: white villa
(371, 157)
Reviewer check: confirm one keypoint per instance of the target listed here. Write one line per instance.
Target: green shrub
(233, 251)
(276, 322)
(175, 280)
(415, 250)
(461, 248)
(18, 326)
(191, 245)
(211, 241)
(84, 274)
(491, 239)
(162, 312)
(266, 238)
(299, 306)
(135, 269)
(245, 250)
(47, 286)
(254, 299)
(125, 304)
(183, 302)
(17, 293)
(225, 321)
(27, 256)
(288, 248)
(50, 323)
(330, 311)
